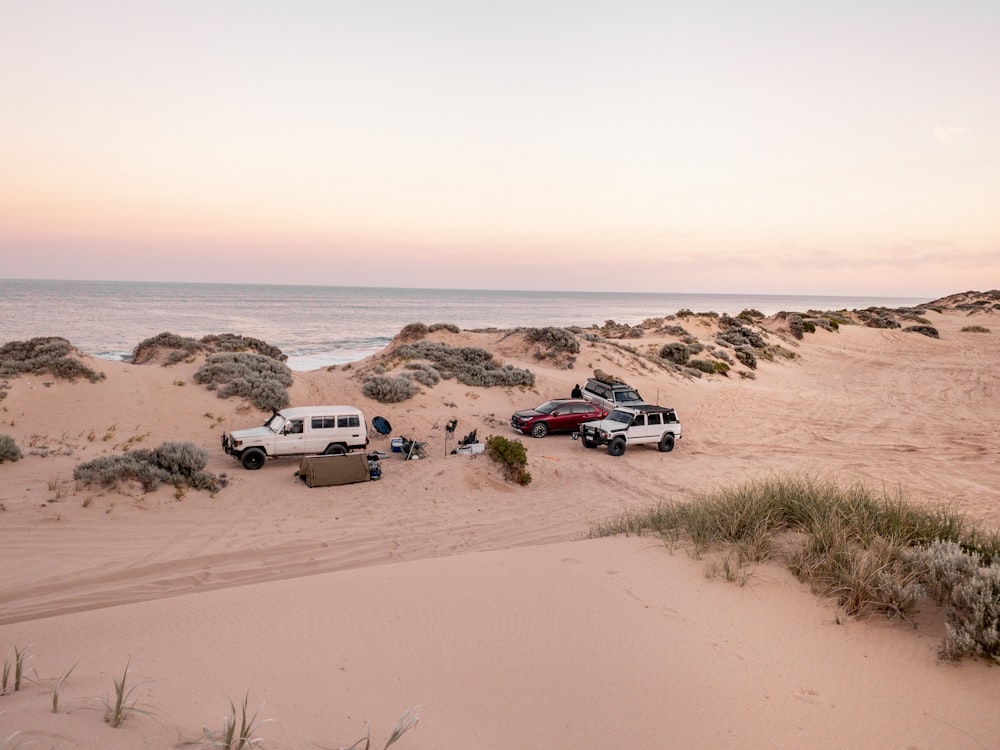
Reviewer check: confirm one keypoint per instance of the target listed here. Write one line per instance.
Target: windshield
(275, 423)
(620, 416)
(548, 407)
(624, 396)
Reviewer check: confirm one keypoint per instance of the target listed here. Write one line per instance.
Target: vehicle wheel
(666, 443)
(252, 458)
(335, 449)
(616, 447)
(588, 444)
(539, 430)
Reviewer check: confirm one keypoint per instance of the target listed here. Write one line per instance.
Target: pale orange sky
(776, 147)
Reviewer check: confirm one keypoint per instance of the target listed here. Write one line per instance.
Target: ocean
(317, 326)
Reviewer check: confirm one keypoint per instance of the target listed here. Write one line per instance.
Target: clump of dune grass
(405, 723)
(871, 551)
(12, 673)
(58, 688)
(235, 734)
(119, 707)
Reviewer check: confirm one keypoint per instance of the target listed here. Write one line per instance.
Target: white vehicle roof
(299, 412)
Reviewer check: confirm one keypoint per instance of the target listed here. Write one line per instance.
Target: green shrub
(388, 390)
(8, 449)
(258, 378)
(511, 455)
(179, 464)
(702, 365)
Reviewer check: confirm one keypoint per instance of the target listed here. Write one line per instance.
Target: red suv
(558, 415)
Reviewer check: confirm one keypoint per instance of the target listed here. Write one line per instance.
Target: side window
(349, 421)
(294, 427)
(323, 423)
(638, 420)
(654, 418)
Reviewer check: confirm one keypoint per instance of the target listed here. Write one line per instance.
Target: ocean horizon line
(497, 290)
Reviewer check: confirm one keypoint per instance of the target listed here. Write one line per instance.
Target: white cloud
(950, 135)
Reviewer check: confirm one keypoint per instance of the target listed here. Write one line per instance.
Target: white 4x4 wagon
(635, 425)
(299, 431)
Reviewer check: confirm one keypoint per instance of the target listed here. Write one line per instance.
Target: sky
(719, 146)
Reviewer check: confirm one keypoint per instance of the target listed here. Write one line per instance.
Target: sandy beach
(482, 602)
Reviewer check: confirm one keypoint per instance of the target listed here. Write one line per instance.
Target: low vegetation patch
(926, 330)
(468, 364)
(975, 329)
(44, 354)
(8, 449)
(512, 456)
(873, 553)
(553, 341)
(183, 348)
(260, 379)
(390, 390)
(177, 464)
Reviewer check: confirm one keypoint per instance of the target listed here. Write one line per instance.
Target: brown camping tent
(324, 471)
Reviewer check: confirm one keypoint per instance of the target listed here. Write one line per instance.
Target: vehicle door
(350, 431)
(291, 440)
(564, 418)
(639, 430)
(655, 425)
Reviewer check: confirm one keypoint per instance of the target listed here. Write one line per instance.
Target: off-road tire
(666, 443)
(616, 447)
(253, 458)
(539, 430)
(589, 444)
(335, 449)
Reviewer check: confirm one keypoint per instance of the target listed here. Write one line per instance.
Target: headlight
(237, 443)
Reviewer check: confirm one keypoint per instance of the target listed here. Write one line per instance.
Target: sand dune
(445, 586)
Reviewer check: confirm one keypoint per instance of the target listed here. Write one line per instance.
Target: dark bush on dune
(51, 354)
(8, 449)
(183, 347)
(388, 390)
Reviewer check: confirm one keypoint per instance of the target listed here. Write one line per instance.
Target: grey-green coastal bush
(178, 464)
(469, 365)
(183, 347)
(556, 340)
(388, 390)
(52, 354)
(258, 378)
(8, 449)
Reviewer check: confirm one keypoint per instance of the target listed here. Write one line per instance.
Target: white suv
(609, 395)
(634, 425)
